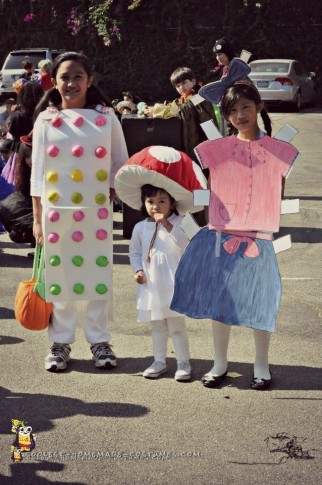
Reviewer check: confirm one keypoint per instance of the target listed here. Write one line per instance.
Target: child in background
(72, 102)
(240, 281)
(156, 246)
(45, 74)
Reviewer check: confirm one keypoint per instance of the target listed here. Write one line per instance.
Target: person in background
(45, 74)
(5, 188)
(9, 104)
(224, 53)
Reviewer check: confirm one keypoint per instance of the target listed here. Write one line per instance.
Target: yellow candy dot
(77, 175)
(52, 177)
(76, 198)
(100, 199)
(52, 196)
(101, 175)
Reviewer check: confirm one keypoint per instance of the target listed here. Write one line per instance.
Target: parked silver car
(283, 81)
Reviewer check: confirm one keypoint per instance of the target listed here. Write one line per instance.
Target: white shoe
(155, 370)
(183, 371)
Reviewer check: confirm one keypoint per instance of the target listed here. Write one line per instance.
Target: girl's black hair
(94, 95)
(29, 96)
(244, 89)
(148, 190)
(23, 173)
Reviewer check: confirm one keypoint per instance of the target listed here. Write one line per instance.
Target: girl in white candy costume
(78, 146)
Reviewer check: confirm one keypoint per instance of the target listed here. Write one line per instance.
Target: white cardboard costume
(76, 154)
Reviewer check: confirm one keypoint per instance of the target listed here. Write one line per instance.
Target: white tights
(174, 327)
(221, 335)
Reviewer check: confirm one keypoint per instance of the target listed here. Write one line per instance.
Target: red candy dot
(100, 152)
(77, 236)
(101, 234)
(53, 237)
(102, 213)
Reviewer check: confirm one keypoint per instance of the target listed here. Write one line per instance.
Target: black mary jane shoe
(209, 380)
(260, 384)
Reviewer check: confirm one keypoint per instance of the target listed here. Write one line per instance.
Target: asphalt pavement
(115, 427)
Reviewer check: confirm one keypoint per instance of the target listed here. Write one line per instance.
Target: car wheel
(297, 105)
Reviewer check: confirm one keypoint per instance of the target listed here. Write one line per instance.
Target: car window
(269, 67)
(14, 60)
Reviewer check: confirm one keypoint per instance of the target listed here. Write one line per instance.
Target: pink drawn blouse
(246, 181)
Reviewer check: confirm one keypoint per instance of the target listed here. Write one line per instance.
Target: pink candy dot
(53, 216)
(100, 152)
(100, 120)
(78, 121)
(52, 151)
(77, 236)
(101, 234)
(77, 151)
(53, 237)
(102, 213)
(78, 216)
(56, 122)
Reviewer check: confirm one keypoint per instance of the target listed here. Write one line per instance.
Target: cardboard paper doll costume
(239, 282)
(77, 216)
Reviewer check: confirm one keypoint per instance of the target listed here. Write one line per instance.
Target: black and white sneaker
(103, 355)
(58, 357)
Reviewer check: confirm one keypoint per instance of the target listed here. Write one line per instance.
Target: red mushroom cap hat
(162, 167)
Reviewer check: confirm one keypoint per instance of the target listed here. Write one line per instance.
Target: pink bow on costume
(233, 243)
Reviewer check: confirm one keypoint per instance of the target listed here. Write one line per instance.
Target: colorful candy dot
(53, 237)
(76, 175)
(100, 199)
(100, 152)
(55, 260)
(52, 176)
(77, 236)
(55, 289)
(102, 261)
(56, 122)
(78, 121)
(53, 216)
(101, 175)
(101, 288)
(77, 151)
(100, 120)
(52, 196)
(78, 260)
(101, 234)
(102, 213)
(78, 216)
(76, 198)
(78, 288)
(52, 151)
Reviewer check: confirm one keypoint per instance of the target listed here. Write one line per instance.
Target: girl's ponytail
(267, 121)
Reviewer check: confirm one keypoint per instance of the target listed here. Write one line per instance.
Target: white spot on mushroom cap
(165, 154)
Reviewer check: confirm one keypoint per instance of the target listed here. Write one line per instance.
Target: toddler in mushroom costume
(160, 180)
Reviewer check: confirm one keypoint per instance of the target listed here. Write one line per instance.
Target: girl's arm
(37, 226)
(135, 255)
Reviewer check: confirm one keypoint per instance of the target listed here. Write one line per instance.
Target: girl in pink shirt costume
(239, 281)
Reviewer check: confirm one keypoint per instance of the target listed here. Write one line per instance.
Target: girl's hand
(140, 277)
(161, 219)
(38, 234)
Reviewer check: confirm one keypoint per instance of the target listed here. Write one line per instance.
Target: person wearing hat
(160, 181)
(224, 53)
(16, 209)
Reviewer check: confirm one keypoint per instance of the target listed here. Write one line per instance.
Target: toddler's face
(185, 86)
(158, 204)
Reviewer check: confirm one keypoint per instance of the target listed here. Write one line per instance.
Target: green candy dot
(78, 260)
(54, 260)
(79, 288)
(101, 175)
(101, 289)
(100, 199)
(76, 197)
(55, 289)
(102, 261)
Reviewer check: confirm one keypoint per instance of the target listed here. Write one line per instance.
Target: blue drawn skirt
(232, 288)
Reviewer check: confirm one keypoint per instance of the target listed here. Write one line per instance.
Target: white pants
(62, 329)
(174, 327)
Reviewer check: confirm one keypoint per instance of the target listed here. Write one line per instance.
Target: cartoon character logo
(25, 440)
